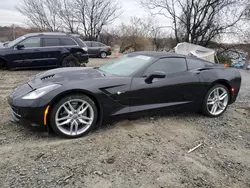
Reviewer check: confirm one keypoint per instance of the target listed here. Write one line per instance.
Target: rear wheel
(73, 116)
(70, 61)
(103, 55)
(216, 101)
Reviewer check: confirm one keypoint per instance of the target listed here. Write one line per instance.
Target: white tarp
(196, 50)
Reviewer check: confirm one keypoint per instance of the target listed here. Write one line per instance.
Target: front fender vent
(48, 77)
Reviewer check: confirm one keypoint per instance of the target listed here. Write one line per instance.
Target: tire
(103, 55)
(70, 61)
(72, 125)
(211, 100)
(2, 65)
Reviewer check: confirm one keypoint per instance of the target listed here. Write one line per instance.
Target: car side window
(194, 64)
(95, 44)
(101, 44)
(32, 42)
(68, 42)
(47, 42)
(168, 65)
(88, 44)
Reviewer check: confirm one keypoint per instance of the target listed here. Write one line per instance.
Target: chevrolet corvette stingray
(73, 101)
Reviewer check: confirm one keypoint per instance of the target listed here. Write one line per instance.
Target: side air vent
(47, 77)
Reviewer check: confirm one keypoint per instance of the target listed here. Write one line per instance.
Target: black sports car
(73, 101)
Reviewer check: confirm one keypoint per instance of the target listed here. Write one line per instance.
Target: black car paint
(42, 57)
(185, 90)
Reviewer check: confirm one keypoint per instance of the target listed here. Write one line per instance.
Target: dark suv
(44, 50)
(98, 49)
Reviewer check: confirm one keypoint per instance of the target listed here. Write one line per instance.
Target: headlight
(41, 91)
(85, 49)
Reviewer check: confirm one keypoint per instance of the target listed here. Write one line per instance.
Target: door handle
(36, 50)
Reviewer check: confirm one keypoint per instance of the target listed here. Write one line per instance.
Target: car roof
(51, 34)
(157, 54)
(91, 41)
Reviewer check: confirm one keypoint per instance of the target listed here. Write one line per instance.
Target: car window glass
(51, 42)
(168, 65)
(95, 44)
(194, 64)
(101, 45)
(68, 42)
(88, 44)
(126, 65)
(32, 42)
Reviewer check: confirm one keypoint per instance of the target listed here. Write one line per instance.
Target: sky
(9, 15)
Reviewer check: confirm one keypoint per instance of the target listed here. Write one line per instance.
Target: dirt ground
(144, 153)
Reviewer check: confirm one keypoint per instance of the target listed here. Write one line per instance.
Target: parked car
(38, 50)
(74, 101)
(98, 49)
(238, 65)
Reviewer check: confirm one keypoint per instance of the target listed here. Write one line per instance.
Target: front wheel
(216, 101)
(73, 116)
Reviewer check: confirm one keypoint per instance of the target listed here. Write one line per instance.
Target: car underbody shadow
(105, 126)
(112, 122)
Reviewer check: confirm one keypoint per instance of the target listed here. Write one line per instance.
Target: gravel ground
(144, 153)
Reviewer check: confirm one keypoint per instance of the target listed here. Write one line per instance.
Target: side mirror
(156, 74)
(19, 46)
(5, 44)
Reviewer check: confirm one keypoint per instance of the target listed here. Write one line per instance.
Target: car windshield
(126, 65)
(15, 42)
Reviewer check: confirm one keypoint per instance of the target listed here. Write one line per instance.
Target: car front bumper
(32, 117)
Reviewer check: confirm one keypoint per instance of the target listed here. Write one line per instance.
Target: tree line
(196, 21)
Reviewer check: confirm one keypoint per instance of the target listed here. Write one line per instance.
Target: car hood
(64, 75)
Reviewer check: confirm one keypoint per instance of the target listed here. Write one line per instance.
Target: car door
(51, 48)
(178, 89)
(29, 55)
(90, 49)
(96, 47)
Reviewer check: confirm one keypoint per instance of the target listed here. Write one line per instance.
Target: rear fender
(76, 52)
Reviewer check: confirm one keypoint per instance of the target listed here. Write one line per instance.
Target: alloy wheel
(103, 55)
(74, 117)
(217, 101)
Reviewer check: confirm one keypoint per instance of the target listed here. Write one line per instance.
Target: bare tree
(42, 14)
(94, 14)
(197, 21)
(246, 33)
(135, 36)
(66, 13)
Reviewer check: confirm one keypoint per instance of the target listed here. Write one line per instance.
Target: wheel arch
(101, 51)
(83, 92)
(226, 84)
